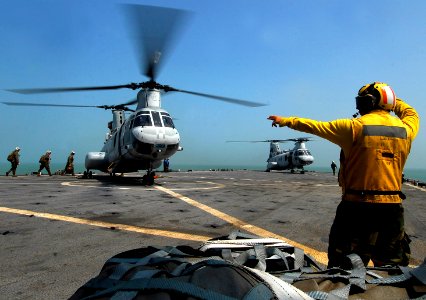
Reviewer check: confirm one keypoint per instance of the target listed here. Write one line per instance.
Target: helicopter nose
(306, 159)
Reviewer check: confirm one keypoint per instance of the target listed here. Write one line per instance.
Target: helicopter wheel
(302, 172)
(148, 178)
(292, 171)
(90, 175)
(268, 170)
(85, 174)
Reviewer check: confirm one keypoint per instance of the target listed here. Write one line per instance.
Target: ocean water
(29, 168)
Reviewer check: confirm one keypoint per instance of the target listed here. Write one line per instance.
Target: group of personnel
(14, 158)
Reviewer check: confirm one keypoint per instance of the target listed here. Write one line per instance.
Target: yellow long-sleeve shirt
(375, 148)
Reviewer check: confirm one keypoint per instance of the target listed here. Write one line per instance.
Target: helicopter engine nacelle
(272, 165)
(96, 160)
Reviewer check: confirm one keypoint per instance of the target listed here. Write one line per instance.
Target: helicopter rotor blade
(265, 141)
(221, 98)
(46, 104)
(302, 139)
(155, 28)
(118, 107)
(72, 89)
(130, 102)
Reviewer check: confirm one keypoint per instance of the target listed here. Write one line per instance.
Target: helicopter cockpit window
(167, 121)
(143, 119)
(156, 118)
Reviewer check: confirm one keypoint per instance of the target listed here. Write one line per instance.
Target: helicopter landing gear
(148, 178)
(87, 174)
(292, 171)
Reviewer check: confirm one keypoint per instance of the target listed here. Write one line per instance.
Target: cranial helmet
(376, 95)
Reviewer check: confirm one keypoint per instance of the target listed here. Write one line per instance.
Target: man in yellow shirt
(374, 148)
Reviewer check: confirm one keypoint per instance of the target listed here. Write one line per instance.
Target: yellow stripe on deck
(158, 232)
(320, 257)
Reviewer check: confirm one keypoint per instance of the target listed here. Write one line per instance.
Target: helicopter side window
(156, 118)
(167, 121)
(142, 120)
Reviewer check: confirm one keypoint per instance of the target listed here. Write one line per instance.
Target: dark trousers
(44, 166)
(371, 230)
(13, 168)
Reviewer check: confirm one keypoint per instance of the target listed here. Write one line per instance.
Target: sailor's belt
(368, 192)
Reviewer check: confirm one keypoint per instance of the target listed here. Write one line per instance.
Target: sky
(305, 58)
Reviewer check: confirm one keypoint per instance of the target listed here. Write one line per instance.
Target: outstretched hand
(275, 120)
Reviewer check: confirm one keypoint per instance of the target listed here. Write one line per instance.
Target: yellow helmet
(381, 95)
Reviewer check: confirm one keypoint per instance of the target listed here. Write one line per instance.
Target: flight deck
(57, 232)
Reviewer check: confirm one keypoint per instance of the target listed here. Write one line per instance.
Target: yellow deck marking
(165, 233)
(320, 257)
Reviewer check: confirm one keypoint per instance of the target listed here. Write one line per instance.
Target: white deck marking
(212, 186)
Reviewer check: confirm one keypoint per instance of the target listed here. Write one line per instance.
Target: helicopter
(148, 136)
(292, 159)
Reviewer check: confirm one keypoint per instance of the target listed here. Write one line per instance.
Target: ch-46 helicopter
(142, 140)
(292, 159)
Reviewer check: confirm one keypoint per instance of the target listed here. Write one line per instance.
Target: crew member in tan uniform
(69, 166)
(45, 163)
(13, 157)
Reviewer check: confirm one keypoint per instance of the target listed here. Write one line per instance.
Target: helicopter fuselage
(141, 142)
(297, 158)
(148, 136)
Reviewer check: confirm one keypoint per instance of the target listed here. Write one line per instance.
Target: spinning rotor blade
(302, 139)
(154, 28)
(119, 107)
(72, 89)
(131, 102)
(265, 141)
(221, 98)
(44, 104)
